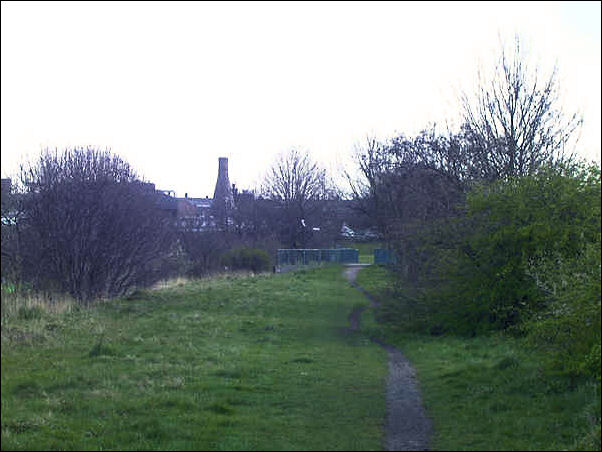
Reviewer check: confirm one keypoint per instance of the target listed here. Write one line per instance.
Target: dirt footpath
(407, 426)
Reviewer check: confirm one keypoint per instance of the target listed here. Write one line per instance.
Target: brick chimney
(222, 197)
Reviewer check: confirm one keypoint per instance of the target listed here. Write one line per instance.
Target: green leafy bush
(524, 257)
(569, 326)
(510, 224)
(247, 258)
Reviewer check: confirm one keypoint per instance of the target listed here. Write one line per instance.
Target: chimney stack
(222, 197)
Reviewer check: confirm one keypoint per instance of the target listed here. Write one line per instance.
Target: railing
(309, 256)
(384, 256)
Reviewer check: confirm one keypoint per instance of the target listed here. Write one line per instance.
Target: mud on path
(407, 426)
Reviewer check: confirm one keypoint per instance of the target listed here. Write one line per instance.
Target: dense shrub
(553, 214)
(89, 226)
(569, 326)
(204, 250)
(246, 258)
(525, 257)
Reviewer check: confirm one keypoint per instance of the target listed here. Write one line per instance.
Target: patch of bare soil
(407, 426)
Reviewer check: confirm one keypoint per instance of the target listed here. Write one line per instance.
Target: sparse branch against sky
(172, 86)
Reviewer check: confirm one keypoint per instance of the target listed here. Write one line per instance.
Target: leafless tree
(515, 120)
(412, 187)
(408, 183)
(410, 179)
(298, 185)
(91, 227)
(295, 178)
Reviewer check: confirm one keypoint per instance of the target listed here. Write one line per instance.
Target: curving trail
(407, 426)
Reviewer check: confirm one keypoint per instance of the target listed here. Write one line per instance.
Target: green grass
(366, 251)
(491, 393)
(264, 363)
(256, 363)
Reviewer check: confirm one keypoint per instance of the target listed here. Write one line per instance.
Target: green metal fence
(384, 256)
(308, 256)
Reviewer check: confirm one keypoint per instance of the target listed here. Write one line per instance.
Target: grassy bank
(492, 393)
(256, 363)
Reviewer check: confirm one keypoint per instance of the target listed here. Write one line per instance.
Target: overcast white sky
(171, 87)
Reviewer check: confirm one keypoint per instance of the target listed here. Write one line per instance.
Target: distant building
(197, 214)
(339, 218)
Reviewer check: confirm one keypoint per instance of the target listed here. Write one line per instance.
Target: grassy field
(491, 393)
(266, 363)
(255, 363)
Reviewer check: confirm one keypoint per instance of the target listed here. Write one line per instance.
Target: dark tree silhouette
(410, 179)
(298, 185)
(90, 226)
(408, 183)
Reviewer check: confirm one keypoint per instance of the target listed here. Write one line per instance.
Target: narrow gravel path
(407, 426)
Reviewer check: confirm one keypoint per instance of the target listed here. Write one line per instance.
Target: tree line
(496, 226)
(82, 222)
